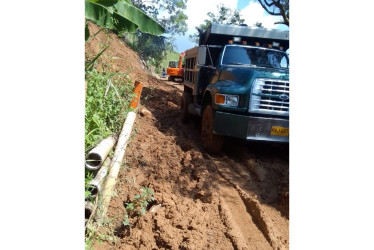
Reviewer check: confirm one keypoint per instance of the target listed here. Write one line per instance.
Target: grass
(99, 233)
(107, 104)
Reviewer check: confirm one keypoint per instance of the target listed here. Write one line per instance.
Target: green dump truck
(237, 80)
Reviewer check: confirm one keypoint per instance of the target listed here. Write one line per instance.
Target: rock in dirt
(145, 112)
(172, 105)
(155, 208)
(204, 196)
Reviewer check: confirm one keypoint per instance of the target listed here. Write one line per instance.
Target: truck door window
(284, 62)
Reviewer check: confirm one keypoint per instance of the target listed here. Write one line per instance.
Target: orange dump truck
(175, 69)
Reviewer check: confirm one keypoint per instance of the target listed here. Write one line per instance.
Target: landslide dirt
(236, 200)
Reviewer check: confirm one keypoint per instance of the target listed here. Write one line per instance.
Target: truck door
(207, 67)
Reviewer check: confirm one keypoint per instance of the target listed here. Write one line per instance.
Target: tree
(277, 8)
(225, 16)
(173, 17)
(258, 24)
(169, 13)
(151, 48)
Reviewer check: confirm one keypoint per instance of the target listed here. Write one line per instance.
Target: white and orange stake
(137, 91)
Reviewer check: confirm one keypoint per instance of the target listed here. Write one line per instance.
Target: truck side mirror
(201, 56)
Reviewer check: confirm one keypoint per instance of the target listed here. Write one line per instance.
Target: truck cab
(237, 80)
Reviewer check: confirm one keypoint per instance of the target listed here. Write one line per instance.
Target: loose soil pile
(237, 200)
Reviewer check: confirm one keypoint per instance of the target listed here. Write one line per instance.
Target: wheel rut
(250, 216)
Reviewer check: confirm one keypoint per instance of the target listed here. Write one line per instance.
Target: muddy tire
(186, 100)
(211, 142)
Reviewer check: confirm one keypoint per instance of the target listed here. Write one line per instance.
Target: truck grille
(270, 96)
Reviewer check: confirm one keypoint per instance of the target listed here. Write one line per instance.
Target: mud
(236, 200)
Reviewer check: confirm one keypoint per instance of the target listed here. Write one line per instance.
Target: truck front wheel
(211, 142)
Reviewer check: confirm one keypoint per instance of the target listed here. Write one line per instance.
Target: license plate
(280, 131)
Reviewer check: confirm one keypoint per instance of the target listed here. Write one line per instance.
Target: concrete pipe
(88, 208)
(96, 156)
(95, 183)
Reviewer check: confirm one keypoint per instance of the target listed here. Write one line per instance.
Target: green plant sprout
(139, 204)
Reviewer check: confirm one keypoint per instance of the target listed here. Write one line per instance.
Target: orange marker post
(137, 91)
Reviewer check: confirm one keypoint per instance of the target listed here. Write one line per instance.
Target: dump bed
(219, 34)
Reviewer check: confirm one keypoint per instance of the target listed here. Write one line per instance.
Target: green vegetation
(173, 19)
(138, 206)
(95, 232)
(107, 101)
(154, 49)
(120, 16)
(107, 104)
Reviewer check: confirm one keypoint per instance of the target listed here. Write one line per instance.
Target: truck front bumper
(249, 127)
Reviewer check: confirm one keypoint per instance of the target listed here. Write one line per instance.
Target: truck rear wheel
(211, 142)
(186, 100)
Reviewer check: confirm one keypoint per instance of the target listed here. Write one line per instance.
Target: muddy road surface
(235, 200)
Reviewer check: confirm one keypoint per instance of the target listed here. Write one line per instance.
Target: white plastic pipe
(96, 156)
(95, 184)
(114, 168)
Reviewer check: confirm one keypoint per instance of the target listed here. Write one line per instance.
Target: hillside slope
(118, 57)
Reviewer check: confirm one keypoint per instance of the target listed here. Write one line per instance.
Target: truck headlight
(229, 100)
(232, 100)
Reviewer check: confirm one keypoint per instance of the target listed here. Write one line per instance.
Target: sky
(196, 11)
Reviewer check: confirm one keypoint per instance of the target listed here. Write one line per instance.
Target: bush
(107, 104)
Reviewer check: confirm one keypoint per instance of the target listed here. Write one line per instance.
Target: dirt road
(237, 200)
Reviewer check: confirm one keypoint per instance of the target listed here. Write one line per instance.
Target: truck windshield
(258, 57)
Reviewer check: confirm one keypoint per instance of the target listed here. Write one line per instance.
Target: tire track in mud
(240, 229)
(233, 231)
(254, 209)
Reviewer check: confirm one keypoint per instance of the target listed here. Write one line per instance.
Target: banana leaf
(121, 16)
(106, 17)
(145, 23)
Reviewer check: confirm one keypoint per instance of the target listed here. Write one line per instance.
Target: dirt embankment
(237, 200)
